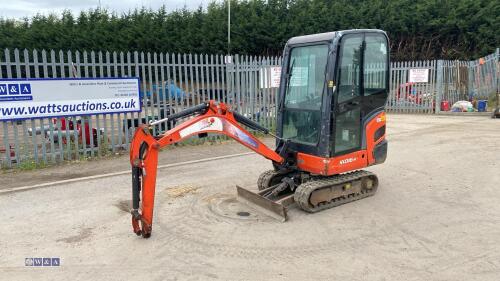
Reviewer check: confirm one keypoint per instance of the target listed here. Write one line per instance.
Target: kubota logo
(348, 160)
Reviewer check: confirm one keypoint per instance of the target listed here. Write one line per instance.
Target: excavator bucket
(275, 207)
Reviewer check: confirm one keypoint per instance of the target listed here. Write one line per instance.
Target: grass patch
(29, 165)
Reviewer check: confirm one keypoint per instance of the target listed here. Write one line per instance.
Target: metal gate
(411, 97)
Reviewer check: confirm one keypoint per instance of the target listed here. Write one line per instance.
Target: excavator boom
(210, 117)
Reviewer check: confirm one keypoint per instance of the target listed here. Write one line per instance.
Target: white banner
(42, 98)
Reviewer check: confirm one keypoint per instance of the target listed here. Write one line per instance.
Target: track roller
(328, 192)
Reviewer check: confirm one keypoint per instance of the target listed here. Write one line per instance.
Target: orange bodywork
(347, 162)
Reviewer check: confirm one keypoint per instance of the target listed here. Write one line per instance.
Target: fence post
(497, 59)
(470, 82)
(496, 76)
(439, 85)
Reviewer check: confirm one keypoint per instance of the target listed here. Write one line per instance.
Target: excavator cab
(330, 125)
(332, 84)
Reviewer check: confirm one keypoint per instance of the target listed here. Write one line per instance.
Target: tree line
(424, 29)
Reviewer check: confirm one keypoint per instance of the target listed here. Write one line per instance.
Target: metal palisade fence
(172, 82)
(168, 84)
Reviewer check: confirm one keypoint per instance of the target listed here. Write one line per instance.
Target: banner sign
(419, 75)
(42, 98)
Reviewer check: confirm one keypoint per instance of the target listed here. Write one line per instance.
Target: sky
(19, 9)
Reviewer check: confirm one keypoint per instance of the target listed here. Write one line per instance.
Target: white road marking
(23, 188)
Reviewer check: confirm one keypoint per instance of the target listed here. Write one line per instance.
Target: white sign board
(419, 75)
(275, 76)
(270, 77)
(41, 98)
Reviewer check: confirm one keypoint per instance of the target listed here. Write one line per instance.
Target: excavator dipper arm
(210, 117)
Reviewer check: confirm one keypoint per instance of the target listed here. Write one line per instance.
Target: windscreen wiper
(287, 81)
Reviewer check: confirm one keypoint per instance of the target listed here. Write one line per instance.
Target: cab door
(348, 97)
(375, 73)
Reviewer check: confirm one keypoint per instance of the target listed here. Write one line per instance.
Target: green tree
(425, 29)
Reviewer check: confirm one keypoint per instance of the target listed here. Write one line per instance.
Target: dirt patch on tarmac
(84, 233)
(180, 191)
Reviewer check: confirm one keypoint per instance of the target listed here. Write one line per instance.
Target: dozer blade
(274, 208)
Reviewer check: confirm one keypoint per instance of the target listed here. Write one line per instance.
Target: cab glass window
(375, 64)
(304, 93)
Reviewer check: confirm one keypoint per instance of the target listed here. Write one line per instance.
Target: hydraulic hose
(249, 123)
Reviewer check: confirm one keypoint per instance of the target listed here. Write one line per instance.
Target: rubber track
(304, 191)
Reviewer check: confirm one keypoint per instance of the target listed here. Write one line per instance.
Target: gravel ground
(436, 216)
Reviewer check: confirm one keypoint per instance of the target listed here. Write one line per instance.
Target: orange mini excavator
(330, 125)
